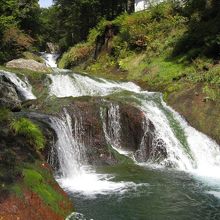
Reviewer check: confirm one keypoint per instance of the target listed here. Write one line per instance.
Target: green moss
(37, 180)
(30, 130)
(32, 75)
(5, 115)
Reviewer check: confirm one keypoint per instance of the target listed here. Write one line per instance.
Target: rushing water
(184, 185)
(22, 86)
(134, 192)
(50, 59)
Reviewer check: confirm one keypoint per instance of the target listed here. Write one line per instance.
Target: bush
(76, 55)
(29, 130)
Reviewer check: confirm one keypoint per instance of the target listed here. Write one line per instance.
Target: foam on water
(90, 183)
(74, 175)
(63, 85)
(50, 59)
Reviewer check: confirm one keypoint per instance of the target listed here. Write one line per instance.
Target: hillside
(161, 49)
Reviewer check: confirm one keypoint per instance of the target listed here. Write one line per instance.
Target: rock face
(27, 64)
(204, 116)
(8, 96)
(52, 48)
(135, 132)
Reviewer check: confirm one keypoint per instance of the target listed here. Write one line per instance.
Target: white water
(23, 87)
(50, 59)
(202, 158)
(75, 85)
(205, 151)
(75, 175)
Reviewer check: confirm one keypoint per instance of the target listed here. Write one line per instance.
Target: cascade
(185, 147)
(65, 85)
(23, 87)
(50, 59)
(70, 149)
(74, 173)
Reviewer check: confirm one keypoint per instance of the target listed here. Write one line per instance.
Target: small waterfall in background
(50, 59)
(23, 87)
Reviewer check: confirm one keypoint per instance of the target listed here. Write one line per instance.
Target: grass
(27, 128)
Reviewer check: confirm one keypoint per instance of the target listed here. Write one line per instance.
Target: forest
(24, 26)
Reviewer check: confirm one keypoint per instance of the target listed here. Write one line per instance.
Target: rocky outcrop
(136, 131)
(52, 48)
(8, 96)
(202, 114)
(27, 64)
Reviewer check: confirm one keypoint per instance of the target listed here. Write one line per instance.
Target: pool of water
(159, 194)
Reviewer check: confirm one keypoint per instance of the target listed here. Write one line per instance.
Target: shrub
(76, 55)
(29, 130)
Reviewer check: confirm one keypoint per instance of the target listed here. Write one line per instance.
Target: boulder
(27, 64)
(9, 97)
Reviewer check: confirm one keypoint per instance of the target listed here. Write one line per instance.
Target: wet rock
(27, 64)
(88, 118)
(8, 96)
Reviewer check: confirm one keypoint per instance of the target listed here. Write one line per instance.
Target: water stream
(190, 190)
(183, 185)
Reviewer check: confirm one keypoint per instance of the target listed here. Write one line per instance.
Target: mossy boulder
(27, 64)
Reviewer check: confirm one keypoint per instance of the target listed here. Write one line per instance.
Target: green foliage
(202, 36)
(76, 18)
(30, 130)
(76, 55)
(212, 93)
(19, 25)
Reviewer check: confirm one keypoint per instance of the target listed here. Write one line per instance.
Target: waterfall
(50, 59)
(112, 125)
(23, 87)
(185, 147)
(74, 173)
(69, 150)
(65, 85)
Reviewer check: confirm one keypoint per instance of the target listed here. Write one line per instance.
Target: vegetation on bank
(166, 48)
(32, 132)
(24, 175)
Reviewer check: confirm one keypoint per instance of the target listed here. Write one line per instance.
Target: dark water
(168, 195)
